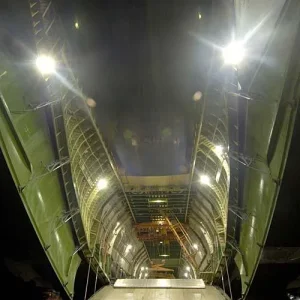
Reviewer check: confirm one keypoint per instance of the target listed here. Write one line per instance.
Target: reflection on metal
(228, 278)
(65, 217)
(160, 283)
(34, 107)
(207, 293)
(55, 165)
(248, 161)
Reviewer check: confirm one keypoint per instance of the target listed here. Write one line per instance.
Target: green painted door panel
(25, 142)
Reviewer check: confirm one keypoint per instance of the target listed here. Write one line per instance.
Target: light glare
(219, 149)
(102, 184)
(234, 53)
(195, 246)
(185, 274)
(204, 179)
(188, 268)
(128, 247)
(45, 64)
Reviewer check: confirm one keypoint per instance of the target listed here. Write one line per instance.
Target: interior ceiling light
(146, 268)
(102, 184)
(118, 223)
(128, 247)
(146, 275)
(195, 246)
(158, 201)
(142, 268)
(197, 96)
(76, 25)
(219, 149)
(164, 255)
(204, 179)
(234, 53)
(160, 242)
(185, 274)
(188, 268)
(45, 64)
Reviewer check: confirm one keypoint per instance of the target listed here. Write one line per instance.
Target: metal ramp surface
(159, 289)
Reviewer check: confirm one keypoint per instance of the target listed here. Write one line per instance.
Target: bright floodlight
(76, 25)
(46, 64)
(188, 268)
(185, 274)
(234, 53)
(204, 179)
(102, 184)
(195, 246)
(219, 149)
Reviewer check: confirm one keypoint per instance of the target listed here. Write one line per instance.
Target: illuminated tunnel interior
(149, 140)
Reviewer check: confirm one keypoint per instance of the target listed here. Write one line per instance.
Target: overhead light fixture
(205, 180)
(146, 275)
(45, 64)
(158, 201)
(102, 184)
(199, 16)
(195, 246)
(76, 25)
(128, 247)
(164, 255)
(118, 223)
(234, 53)
(142, 268)
(188, 268)
(197, 96)
(186, 274)
(147, 268)
(219, 149)
(161, 242)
